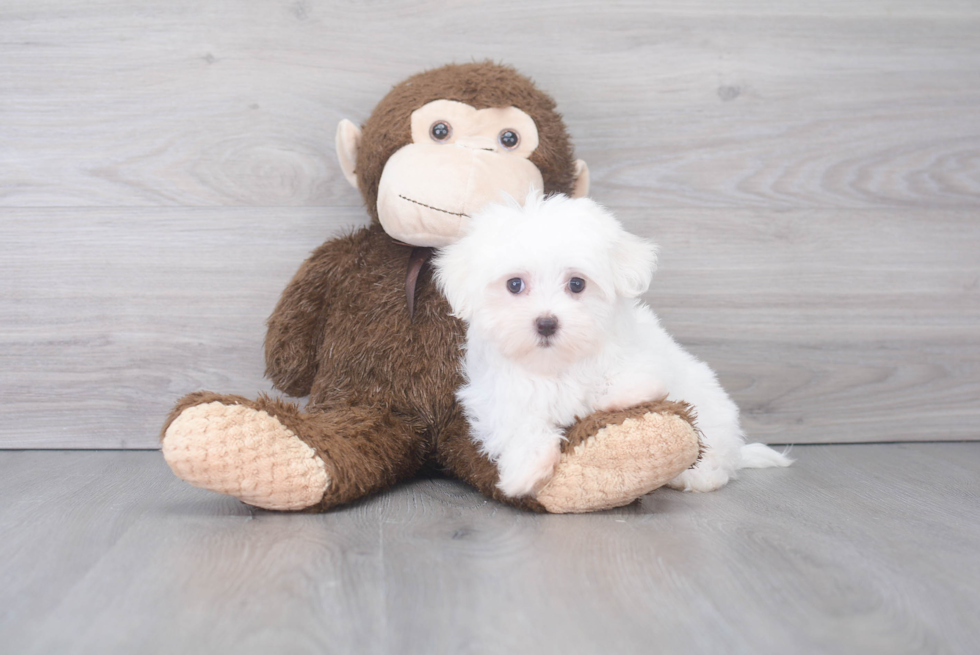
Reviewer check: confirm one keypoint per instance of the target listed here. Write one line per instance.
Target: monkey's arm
(295, 328)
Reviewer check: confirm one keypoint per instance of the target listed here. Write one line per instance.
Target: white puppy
(555, 331)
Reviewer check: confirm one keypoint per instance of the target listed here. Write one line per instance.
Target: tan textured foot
(621, 463)
(245, 453)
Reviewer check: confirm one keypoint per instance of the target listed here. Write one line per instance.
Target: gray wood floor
(811, 171)
(855, 549)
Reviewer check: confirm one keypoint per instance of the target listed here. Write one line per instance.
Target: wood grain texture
(854, 549)
(812, 173)
(863, 104)
(114, 313)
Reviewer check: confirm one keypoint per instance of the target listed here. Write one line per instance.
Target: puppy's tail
(761, 456)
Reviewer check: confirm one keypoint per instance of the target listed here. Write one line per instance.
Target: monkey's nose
(546, 325)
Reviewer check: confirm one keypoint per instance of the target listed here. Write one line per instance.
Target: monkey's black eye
(440, 131)
(576, 285)
(509, 139)
(515, 285)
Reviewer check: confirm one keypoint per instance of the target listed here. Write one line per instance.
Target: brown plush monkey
(362, 330)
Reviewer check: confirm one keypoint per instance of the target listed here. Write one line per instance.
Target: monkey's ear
(581, 189)
(348, 141)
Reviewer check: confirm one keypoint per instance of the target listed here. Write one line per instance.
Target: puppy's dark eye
(515, 285)
(440, 131)
(576, 285)
(509, 139)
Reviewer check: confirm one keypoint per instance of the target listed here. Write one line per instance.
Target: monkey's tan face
(460, 159)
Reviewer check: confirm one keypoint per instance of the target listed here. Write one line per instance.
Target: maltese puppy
(555, 331)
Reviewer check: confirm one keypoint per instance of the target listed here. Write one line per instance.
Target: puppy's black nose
(547, 325)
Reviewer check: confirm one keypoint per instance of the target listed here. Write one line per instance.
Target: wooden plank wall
(811, 171)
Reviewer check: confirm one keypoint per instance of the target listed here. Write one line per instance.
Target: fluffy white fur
(608, 351)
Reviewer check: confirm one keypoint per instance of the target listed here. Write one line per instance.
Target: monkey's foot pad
(245, 453)
(621, 462)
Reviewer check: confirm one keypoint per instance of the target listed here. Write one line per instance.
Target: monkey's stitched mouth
(444, 211)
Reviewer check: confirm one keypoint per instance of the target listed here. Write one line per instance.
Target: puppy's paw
(701, 478)
(520, 477)
(625, 397)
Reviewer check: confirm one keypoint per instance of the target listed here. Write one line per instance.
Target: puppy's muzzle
(546, 325)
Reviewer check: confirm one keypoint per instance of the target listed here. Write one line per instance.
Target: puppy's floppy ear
(634, 261)
(453, 276)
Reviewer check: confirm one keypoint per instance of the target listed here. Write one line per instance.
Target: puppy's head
(542, 282)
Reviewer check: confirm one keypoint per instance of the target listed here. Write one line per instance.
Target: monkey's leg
(609, 460)
(458, 453)
(613, 458)
(269, 454)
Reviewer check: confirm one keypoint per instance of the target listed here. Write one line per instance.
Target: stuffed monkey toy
(362, 330)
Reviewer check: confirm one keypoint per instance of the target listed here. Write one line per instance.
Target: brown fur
(381, 382)
(480, 85)
(381, 386)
